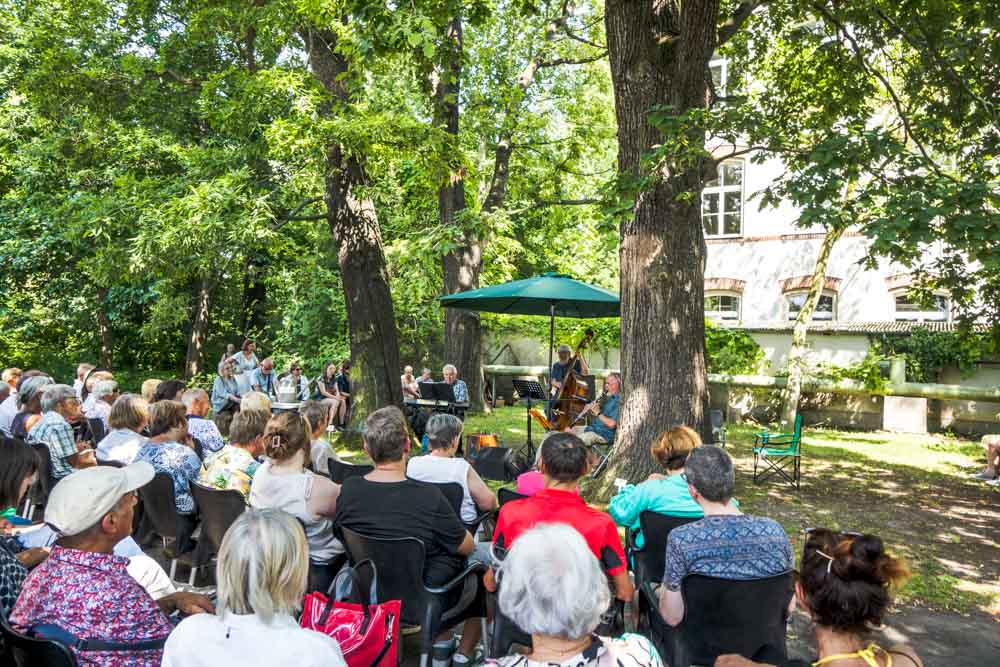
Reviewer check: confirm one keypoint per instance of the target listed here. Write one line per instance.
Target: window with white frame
(723, 305)
(910, 308)
(719, 69)
(722, 201)
(826, 309)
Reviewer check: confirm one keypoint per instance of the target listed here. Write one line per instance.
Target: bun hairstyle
(672, 447)
(285, 435)
(847, 580)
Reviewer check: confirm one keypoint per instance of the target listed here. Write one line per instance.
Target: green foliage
(927, 352)
(870, 371)
(731, 351)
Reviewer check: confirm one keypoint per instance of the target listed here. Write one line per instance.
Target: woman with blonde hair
(128, 417)
(283, 482)
(262, 571)
(665, 493)
(148, 389)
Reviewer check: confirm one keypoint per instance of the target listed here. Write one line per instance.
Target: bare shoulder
(908, 653)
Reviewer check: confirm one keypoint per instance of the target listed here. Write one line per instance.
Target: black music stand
(529, 390)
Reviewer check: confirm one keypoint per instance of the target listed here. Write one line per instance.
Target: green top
(667, 496)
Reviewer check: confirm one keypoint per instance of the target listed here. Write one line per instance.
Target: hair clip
(829, 560)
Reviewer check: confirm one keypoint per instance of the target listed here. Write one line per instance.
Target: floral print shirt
(12, 574)
(230, 468)
(178, 461)
(630, 650)
(207, 432)
(92, 596)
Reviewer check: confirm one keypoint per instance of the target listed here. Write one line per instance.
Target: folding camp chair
(779, 454)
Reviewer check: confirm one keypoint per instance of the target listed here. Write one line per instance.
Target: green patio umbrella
(549, 294)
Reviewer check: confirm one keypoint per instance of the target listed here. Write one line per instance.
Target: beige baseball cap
(80, 500)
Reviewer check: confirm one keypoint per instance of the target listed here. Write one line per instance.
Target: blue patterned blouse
(729, 547)
(178, 461)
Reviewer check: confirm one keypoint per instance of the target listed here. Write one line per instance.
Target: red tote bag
(368, 634)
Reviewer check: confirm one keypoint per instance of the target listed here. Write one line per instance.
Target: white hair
(263, 565)
(255, 400)
(449, 367)
(105, 388)
(55, 394)
(552, 585)
(192, 396)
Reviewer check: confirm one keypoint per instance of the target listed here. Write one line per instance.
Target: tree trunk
(462, 265)
(104, 326)
(797, 353)
(659, 55)
(355, 230)
(254, 297)
(194, 361)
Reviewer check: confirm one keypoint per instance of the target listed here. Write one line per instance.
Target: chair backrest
(726, 616)
(505, 495)
(218, 510)
(716, 418)
(31, 652)
(400, 565)
(797, 432)
(159, 505)
(110, 463)
(339, 471)
(45, 482)
(650, 561)
(97, 429)
(454, 494)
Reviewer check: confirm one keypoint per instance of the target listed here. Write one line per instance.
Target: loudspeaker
(493, 462)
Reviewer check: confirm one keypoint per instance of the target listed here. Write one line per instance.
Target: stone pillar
(903, 414)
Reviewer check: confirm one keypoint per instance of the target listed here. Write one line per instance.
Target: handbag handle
(331, 593)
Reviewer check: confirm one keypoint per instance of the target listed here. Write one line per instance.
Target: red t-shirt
(552, 506)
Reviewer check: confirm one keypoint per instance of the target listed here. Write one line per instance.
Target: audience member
(991, 443)
(344, 390)
(284, 483)
(91, 511)
(60, 406)
(8, 406)
(532, 481)
(233, 466)
(564, 461)
(197, 406)
(18, 471)
(10, 377)
(169, 451)
(409, 383)
(328, 392)
(425, 376)
(450, 374)
(246, 358)
(317, 414)
(386, 504)
(93, 377)
(264, 379)
(128, 418)
(299, 382)
(845, 586)
(562, 618)
(262, 574)
(29, 402)
(255, 400)
(148, 390)
(726, 543)
(105, 393)
(662, 493)
(82, 371)
(440, 466)
(169, 390)
(225, 396)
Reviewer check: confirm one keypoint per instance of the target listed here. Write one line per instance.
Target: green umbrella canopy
(548, 294)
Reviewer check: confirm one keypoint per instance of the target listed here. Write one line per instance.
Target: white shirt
(120, 444)
(206, 640)
(440, 470)
(8, 410)
(78, 388)
(320, 453)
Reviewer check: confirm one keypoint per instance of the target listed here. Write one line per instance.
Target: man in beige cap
(84, 589)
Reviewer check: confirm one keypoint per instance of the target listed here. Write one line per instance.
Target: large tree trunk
(104, 327)
(254, 296)
(797, 353)
(659, 55)
(460, 266)
(199, 330)
(355, 230)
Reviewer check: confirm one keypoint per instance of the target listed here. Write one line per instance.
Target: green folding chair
(779, 454)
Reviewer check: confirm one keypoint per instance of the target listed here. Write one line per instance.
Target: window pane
(732, 224)
(711, 303)
(823, 311)
(710, 203)
(734, 202)
(717, 81)
(825, 304)
(732, 172)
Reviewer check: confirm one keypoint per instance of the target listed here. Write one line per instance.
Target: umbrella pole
(552, 342)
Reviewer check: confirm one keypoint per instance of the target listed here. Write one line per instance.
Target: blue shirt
(559, 371)
(461, 391)
(267, 382)
(732, 546)
(221, 389)
(178, 461)
(610, 410)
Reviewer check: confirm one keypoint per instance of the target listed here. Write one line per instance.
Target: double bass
(572, 397)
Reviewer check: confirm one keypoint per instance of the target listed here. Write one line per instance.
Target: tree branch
(294, 215)
(736, 20)
(572, 61)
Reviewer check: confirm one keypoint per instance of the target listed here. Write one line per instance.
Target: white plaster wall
(840, 350)
(986, 375)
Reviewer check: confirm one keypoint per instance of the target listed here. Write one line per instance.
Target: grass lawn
(913, 491)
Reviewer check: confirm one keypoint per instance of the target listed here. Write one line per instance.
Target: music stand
(529, 390)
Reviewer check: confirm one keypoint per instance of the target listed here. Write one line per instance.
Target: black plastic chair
(110, 463)
(31, 652)
(97, 429)
(218, 510)
(648, 562)
(722, 616)
(718, 421)
(339, 471)
(38, 496)
(400, 563)
(505, 495)
(160, 509)
(455, 495)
